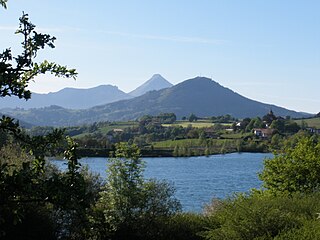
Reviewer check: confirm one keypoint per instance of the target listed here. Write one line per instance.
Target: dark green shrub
(309, 231)
(262, 216)
(185, 226)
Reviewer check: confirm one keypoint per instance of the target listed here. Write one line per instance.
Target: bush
(46, 203)
(309, 231)
(262, 216)
(185, 226)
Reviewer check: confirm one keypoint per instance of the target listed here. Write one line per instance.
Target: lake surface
(197, 179)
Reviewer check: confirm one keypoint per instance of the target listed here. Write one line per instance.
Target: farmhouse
(263, 132)
(313, 130)
(118, 130)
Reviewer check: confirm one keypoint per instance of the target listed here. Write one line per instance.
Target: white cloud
(181, 39)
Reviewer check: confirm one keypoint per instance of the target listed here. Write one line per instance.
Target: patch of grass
(312, 122)
(194, 142)
(117, 125)
(187, 124)
(235, 135)
(179, 143)
(196, 124)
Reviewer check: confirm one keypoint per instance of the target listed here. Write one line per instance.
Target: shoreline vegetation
(165, 136)
(83, 152)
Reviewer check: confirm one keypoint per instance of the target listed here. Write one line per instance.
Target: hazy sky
(267, 50)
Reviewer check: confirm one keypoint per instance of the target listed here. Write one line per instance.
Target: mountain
(156, 82)
(72, 98)
(201, 96)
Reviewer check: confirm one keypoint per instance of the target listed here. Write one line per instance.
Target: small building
(313, 130)
(118, 130)
(263, 132)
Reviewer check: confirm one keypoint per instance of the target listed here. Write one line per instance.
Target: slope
(72, 98)
(200, 96)
(156, 82)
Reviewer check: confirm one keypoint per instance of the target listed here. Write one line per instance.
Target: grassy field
(118, 125)
(235, 135)
(191, 143)
(312, 122)
(197, 124)
(105, 129)
(187, 124)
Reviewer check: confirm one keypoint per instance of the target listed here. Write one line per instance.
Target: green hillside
(311, 122)
(200, 96)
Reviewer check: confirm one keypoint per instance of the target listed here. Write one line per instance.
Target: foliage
(310, 122)
(186, 226)
(263, 216)
(269, 117)
(14, 79)
(36, 200)
(223, 119)
(14, 157)
(297, 170)
(3, 3)
(309, 231)
(192, 118)
(55, 202)
(130, 206)
(255, 123)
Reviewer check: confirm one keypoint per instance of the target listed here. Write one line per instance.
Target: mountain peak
(156, 82)
(156, 75)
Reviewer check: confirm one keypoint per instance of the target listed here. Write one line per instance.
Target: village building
(263, 132)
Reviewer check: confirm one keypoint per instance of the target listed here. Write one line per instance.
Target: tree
(3, 3)
(15, 75)
(33, 196)
(278, 125)
(17, 72)
(167, 118)
(268, 118)
(254, 123)
(297, 170)
(130, 206)
(192, 118)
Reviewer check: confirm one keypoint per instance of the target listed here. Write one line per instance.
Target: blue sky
(267, 50)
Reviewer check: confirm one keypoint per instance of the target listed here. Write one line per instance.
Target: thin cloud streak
(7, 28)
(42, 29)
(168, 38)
(181, 39)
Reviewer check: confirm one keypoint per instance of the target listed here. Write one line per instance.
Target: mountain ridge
(82, 98)
(201, 96)
(74, 98)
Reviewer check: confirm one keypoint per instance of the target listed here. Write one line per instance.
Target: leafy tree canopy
(297, 170)
(3, 3)
(129, 206)
(16, 72)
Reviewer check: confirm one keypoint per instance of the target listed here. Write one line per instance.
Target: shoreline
(82, 153)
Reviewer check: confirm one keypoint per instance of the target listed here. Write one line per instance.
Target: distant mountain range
(73, 98)
(201, 96)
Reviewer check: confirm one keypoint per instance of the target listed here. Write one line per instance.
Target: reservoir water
(197, 179)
